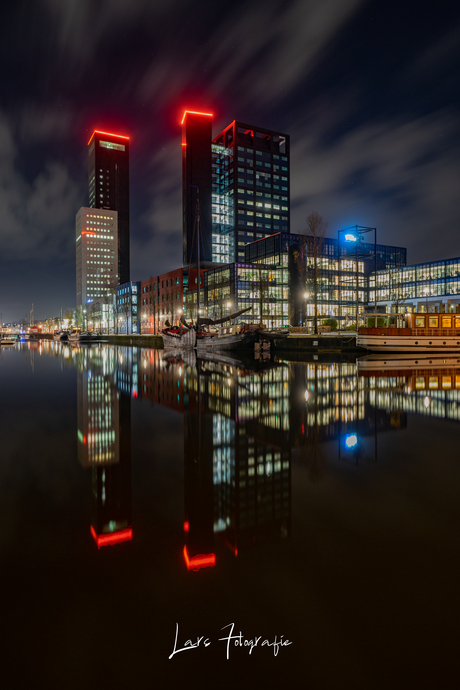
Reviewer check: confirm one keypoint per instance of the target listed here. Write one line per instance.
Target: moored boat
(233, 337)
(80, 337)
(419, 333)
(179, 338)
(7, 341)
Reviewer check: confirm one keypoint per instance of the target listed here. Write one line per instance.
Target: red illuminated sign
(200, 561)
(193, 112)
(112, 538)
(107, 134)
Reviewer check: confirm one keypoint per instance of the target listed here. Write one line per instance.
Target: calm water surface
(303, 502)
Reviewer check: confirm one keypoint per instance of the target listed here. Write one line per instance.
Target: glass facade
(424, 282)
(250, 188)
(336, 280)
(263, 290)
(128, 302)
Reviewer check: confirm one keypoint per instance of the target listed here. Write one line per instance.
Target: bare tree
(397, 296)
(125, 309)
(264, 294)
(153, 303)
(316, 229)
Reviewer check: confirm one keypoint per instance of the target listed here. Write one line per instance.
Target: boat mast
(198, 278)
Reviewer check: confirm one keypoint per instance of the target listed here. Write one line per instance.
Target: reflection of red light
(107, 134)
(86, 232)
(200, 561)
(112, 538)
(84, 440)
(193, 112)
(186, 526)
(303, 428)
(134, 394)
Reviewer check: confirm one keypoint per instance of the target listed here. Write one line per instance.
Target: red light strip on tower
(112, 538)
(200, 561)
(107, 134)
(193, 112)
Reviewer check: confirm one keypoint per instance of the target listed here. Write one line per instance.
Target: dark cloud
(33, 216)
(394, 174)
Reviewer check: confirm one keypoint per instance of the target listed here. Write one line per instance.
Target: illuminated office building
(432, 286)
(96, 233)
(242, 180)
(108, 172)
(289, 264)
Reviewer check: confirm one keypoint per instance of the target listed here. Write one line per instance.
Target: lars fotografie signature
(231, 640)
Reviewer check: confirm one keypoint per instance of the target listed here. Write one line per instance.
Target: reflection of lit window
(433, 382)
(351, 440)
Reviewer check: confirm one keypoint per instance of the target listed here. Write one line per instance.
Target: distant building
(128, 296)
(166, 298)
(241, 178)
(108, 172)
(96, 233)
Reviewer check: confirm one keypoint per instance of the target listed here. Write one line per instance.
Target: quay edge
(331, 342)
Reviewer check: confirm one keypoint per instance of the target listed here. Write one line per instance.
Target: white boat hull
(403, 362)
(186, 341)
(409, 343)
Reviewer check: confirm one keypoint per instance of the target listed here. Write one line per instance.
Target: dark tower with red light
(108, 172)
(196, 181)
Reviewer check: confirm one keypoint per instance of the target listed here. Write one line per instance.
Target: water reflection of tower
(242, 437)
(104, 444)
(198, 475)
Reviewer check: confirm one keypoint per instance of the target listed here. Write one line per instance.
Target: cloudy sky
(367, 89)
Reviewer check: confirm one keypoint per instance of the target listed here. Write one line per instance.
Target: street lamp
(306, 295)
(352, 247)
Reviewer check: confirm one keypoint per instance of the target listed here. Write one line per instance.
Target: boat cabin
(416, 324)
(432, 320)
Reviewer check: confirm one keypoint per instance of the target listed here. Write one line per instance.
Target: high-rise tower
(243, 180)
(97, 254)
(250, 194)
(196, 184)
(108, 172)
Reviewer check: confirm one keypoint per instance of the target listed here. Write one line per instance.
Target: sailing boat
(179, 337)
(231, 337)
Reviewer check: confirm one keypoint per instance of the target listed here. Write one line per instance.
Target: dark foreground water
(263, 502)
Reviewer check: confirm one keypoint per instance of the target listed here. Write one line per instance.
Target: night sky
(367, 89)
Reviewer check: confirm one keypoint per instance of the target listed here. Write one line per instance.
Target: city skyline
(365, 90)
